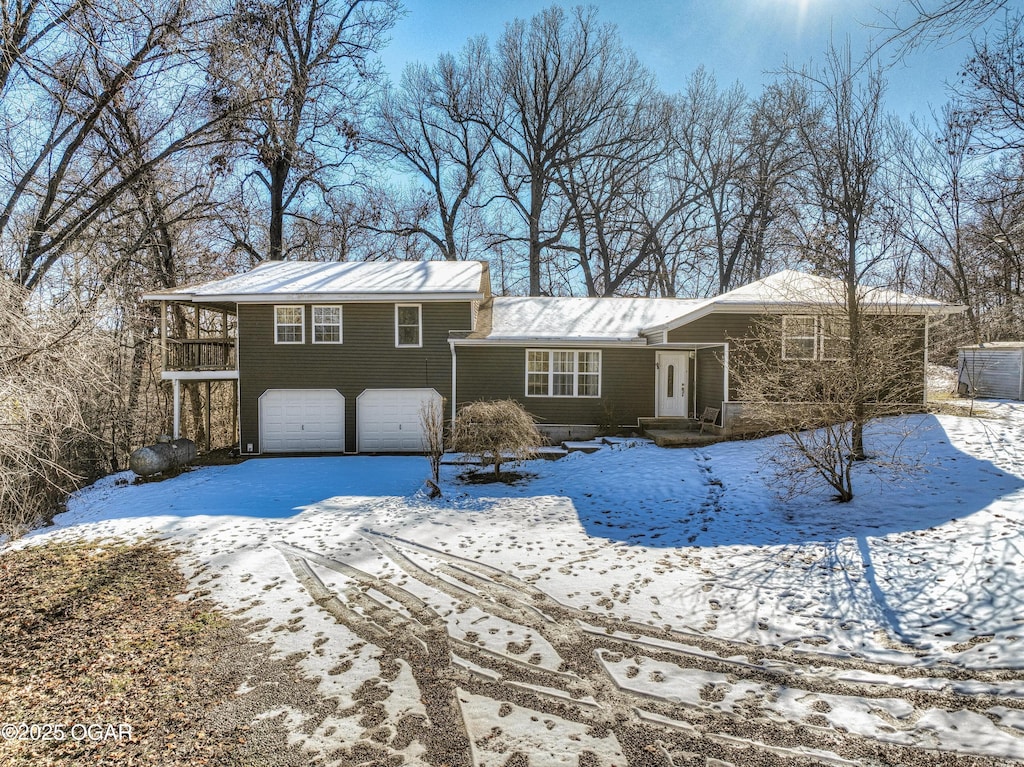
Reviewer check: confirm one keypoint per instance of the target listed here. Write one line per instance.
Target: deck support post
(209, 406)
(176, 389)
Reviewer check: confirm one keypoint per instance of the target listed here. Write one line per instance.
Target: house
(338, 357)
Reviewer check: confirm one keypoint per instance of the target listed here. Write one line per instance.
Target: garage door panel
(388, 420)
(302, 421)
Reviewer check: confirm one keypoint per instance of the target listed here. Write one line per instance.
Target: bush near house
(497, 432)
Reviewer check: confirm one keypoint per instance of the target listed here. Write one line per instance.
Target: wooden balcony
(200, 354)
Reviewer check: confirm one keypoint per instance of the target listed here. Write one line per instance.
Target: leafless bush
(54, 402)
(432, 421)
(497, 432)
(822, 403)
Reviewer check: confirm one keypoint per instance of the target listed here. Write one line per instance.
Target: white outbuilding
(994, 369)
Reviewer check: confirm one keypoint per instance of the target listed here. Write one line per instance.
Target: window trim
(340, 323)
(301, 324)
(814, 337)
(576, 374)
(821, 339)
(419, 326)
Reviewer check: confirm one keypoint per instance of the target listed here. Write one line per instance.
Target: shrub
(497, 432)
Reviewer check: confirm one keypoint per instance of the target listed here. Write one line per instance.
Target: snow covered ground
(634, 606)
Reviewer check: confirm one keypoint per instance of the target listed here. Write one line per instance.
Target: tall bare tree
(295, 76)
(432, 124)
(563, 75)
(845, 149)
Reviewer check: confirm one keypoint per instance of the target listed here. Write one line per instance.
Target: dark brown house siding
(715, 328)
(710, 379)
(731, 328)
(499, 372)
(367, 358)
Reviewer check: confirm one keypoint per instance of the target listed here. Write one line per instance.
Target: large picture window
(563, 373)
(327, 324)
(408, 325)
(288, 325)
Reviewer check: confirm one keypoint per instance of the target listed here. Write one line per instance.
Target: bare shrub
(432, 421)
(822, 401)
(54, 404)
(498, 432)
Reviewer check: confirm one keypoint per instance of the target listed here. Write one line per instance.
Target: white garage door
(388, 420)
(302, 421)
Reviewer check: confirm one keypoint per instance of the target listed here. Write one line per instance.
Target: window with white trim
(289, 325)
(327, 324)
(408, 325)
(808, 337)
(563, 373)
(834, 338)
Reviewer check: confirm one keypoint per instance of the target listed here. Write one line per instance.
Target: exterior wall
(993, 372)
(499, 372)
(710, 380)
(366, 358)
(727, 327)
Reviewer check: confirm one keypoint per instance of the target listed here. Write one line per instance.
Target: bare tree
(938, 198)
(294, 77)
(844, 147)
(563, 76)
(797, 376)
(995, 89)
(432, 421)
(432, 124)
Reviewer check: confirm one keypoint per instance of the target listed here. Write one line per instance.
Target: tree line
(154, 143)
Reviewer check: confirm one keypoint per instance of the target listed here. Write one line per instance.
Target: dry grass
(93, 634)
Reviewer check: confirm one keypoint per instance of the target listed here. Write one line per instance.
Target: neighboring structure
(338, 357)
(994, 369)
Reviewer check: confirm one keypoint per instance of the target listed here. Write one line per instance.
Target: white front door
(672, 377)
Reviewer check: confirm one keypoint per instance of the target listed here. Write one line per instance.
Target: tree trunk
(279, 170)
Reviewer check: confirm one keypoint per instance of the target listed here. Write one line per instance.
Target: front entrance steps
(678, 432)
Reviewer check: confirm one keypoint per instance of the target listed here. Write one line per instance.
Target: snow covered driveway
(635, 606)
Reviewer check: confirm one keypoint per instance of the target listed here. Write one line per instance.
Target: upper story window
(327, 324)
(563, 373)
(408, 325)
(807, 337)
(289, 325)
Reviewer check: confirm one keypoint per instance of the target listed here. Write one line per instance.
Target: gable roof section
(573, 320)
(285, 281)
(795, 291)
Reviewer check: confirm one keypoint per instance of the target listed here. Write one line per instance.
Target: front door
(672, 376)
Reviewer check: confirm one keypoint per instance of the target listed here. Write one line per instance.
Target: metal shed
(994, 369)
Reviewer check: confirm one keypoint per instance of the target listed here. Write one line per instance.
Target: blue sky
(734, 39)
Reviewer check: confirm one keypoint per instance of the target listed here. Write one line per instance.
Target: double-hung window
(799, 337)
(327, 324)
(288, 325)
(563, 373)
(807, 337)
(408, 325)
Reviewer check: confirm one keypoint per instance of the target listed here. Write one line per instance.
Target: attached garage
(388, 420)
(302, 421)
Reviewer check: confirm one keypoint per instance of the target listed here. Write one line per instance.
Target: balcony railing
(200, 354)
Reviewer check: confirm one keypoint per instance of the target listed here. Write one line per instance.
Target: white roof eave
(549, 341)
(307, 298)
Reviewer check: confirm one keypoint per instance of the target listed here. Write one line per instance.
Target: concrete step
(583, 447)
(666, 423)
(681, 438)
